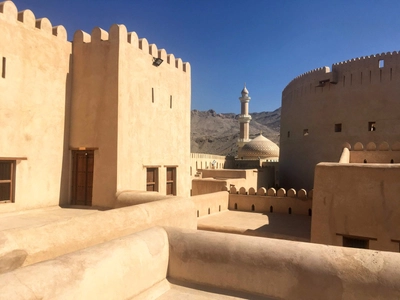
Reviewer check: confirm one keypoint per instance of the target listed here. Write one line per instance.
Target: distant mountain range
(215, 133)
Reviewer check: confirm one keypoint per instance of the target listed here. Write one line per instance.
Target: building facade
(82, 120)
(327, 109)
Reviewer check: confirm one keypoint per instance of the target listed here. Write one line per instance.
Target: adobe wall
(142, 111)
(357, 200)
(211, 203)
(205, 161)
(291, 202)
(28, 245)
(34, 129)
(351, 93)
(153, 114)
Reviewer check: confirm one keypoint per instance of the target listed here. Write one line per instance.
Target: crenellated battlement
(272, 192)
(355, 66)
(119, 34)
(9, 13)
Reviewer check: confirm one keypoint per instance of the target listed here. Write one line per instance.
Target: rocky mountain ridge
(217, 133)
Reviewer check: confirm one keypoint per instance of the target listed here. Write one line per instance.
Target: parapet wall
(118, 34)
(262, 200)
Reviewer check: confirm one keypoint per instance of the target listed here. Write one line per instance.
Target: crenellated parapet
(118, 34)
(357, 70)
(272, 192)
(9, 13)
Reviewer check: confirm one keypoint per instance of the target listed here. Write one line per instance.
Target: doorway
(82, 177)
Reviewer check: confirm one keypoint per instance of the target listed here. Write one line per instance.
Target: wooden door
(171, 181)
(82, 177)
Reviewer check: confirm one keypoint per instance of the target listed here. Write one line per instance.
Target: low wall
(270, 204)
(25, 246)
(119, 269)
(128, 198)
(358, 201)
(211, 203)
(281, 269)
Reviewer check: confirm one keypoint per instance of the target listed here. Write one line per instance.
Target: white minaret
(244, 118)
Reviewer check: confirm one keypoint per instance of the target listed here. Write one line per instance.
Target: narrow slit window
(370, 76)
(371, 126)
(391, 74)
(3, 69)
(361, 78)
(288, 134)
(344, 80)
(381, 63)
(338, 127)
(351, 79)
(152, 95)
(170, 101)
(380, 75)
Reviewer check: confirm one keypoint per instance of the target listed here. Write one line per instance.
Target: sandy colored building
(326, 109)
(82, 120)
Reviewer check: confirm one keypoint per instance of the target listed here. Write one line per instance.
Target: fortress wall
(357, 200)
(35, 91)
(262, 201)
(200, 160)
(153, 114)
(281, 269)
(352, 93)
(211, 203)
(28, 245)
(94, 110)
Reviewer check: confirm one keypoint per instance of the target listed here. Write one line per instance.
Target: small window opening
(290, 210)
(351, 79)
(3, 70)
(209, 211)
(152, 95)
(365, 161)
(271, 209)
(170, 101)
(220, 208)
(391, 161)
(305, 132)
(390, 74)
(197, 213)
(361, 78)
(381, 63)
(370, 76)
(288, 134)
(235, 205)
(355, 243)
(338, 127)
(310, 212)
(253, 207)
(371, 126)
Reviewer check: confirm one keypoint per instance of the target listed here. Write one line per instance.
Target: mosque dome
(260, 147)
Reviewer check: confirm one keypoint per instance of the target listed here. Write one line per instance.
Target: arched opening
(365, 161)
(391, 161)
(271, 209)
(253, 207)
(235, 205)
(290, 210)
(310, 212)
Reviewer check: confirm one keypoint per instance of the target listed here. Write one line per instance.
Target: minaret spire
(244, 118)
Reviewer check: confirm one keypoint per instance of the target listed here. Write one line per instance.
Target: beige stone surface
(210, 203)
(357, 200)
(274, 225)
(33, 102)
(281, 269)
(351, 93)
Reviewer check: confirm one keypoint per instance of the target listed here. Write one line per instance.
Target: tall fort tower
(244, 118)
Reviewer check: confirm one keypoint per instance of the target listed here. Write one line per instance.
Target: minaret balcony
(244, 118)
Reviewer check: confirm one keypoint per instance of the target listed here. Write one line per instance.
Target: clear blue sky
(264, 43)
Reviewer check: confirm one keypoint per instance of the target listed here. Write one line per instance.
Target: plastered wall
(34, 114)
(357, 200)
(351, 93)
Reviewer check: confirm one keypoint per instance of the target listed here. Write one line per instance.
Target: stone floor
(42, 216)
(273, 225)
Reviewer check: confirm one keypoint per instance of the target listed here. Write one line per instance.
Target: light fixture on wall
(157, 61)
